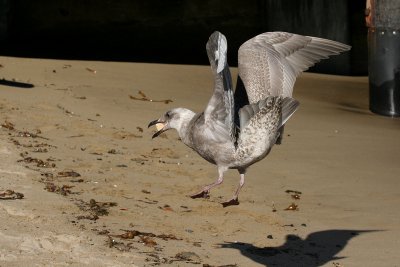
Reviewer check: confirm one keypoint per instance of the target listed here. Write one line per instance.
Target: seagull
(238, 129)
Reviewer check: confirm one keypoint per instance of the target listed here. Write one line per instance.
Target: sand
(130, 205)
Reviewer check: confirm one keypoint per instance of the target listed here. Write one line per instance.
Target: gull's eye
(168, 115)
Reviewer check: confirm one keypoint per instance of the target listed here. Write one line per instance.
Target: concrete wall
(173, 31)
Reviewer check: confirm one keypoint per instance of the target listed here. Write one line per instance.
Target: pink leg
(206, 190)
(235, 198)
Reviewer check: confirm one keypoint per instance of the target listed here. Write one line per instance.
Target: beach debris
(139, 160)
(122, 166)
(47, 174)
(270, 237)
(40, 150)
(293, 191)
(77, 181)
(102, 232)
(166, 207)
(95, 208)
(68, 174)
(66, 111)
(91, 70)
(10, 194)
(26, 134)
(65, 66)
(140, 129)
(166, 237)
(144, 191)
(121, 246)
(39, 162)
(8, 125)
(197, 244)
(148, 241)
(273, 207)
(131, 234)
(62, 190)
(125, 135)
(188, 256)
(292, 207)
(186, 209)
(295, 196)
(112, 151)
(143, 97)
(288, 225)
(148, 201)
(92, 217)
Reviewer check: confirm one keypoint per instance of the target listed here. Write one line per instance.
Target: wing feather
(219, 113)
(270, 62)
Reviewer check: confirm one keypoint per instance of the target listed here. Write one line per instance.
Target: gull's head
(176, 118)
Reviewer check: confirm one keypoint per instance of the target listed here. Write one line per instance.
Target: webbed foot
(232, 202)
(201, 194)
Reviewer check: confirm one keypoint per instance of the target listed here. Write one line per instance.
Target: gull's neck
(183, 125)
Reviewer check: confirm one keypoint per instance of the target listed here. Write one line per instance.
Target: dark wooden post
(383, 21)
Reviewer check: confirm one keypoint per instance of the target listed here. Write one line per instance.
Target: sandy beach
(98, 191)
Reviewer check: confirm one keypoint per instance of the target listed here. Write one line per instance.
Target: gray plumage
(238, 129)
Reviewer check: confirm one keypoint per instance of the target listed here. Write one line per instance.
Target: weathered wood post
(383, 21)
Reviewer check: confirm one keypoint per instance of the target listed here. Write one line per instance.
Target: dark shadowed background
(174, 31)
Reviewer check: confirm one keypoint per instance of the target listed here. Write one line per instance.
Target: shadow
(16, 84)
(317, 249)
(350, 107)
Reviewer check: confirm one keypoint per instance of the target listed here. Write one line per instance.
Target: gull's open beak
(160, 125)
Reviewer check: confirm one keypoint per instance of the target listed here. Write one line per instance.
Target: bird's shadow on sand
(317, 249)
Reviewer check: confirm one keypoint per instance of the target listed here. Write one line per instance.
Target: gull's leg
(235, 198)
(206, 189)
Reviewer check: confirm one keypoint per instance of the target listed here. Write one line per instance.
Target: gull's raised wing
(219, 113)
(270, 62)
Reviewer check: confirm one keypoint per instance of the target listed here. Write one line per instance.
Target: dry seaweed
(91, 70)
(96, 208)
(39, 162)
(92, 217)
(293, 191)
(292, 207)
(40, 150)
(148, 241)
(68, 174)
(77, 181)
(112, 151)
(143, 97)
(66, 111)
(28, 134)
(295, 196)
(166, 207)
(148, 201)
(10, 194)
(8, 125)
(188, 257)
(131, 234)
(62, 190)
